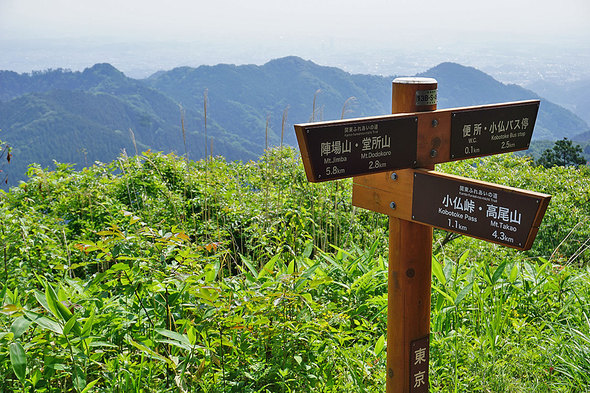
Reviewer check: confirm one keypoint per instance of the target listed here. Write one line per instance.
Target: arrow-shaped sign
(499, 214)
(354, 147)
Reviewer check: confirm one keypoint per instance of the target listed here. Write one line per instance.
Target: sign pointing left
(335, 150)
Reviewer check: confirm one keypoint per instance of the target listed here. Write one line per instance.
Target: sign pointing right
(483, 131)
(499, 214)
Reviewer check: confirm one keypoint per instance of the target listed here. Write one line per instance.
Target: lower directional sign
(495, 213)
(499, 214)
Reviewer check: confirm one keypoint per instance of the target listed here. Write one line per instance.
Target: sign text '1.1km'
(499, 214)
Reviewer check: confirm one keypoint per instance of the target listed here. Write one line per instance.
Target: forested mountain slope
(234, 111)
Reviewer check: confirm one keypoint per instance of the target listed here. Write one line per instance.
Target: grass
(156, 273)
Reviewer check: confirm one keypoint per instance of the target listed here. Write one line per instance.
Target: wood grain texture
(410, 257)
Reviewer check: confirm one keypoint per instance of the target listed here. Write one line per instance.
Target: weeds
(156, 273)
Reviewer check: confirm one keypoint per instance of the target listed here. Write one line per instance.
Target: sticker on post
(419, 358)
(426, 97)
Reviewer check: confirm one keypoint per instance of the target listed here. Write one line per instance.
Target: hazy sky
(366, 19)
(291, 25)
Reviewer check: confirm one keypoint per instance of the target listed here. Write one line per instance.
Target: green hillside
(256, 92)
(82, 117)
(85, 125)
(159, 274)
(573, 95)
(538, 147)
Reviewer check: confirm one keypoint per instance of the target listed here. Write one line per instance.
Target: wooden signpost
(392, 161)
(346, 148)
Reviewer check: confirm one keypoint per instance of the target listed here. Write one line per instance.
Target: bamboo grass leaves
(160, 274)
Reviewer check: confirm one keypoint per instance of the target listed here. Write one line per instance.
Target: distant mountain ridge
(465, 86)
(14, 85)
(80, 117)
(573, 95)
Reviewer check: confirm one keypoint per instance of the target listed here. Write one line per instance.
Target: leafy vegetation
(155, 273)
(563, 153)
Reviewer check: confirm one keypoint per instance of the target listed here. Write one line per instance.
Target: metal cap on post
(409, 280)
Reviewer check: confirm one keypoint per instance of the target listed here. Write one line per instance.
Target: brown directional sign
(499, 214)
(335, 150)
(495, 213)
(380, 152)
(483, 131)
(346, 148)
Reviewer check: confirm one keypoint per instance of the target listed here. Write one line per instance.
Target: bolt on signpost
(382, 154)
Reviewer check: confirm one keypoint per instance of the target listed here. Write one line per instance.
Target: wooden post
(410, 258)
(413, 198)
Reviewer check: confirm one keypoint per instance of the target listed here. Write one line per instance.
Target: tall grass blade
(134, 141)
(345, 108)
(283, 124)
(314, 110)
(182, 116)
(205, 99)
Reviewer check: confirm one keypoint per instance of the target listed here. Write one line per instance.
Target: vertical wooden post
(409, 281)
